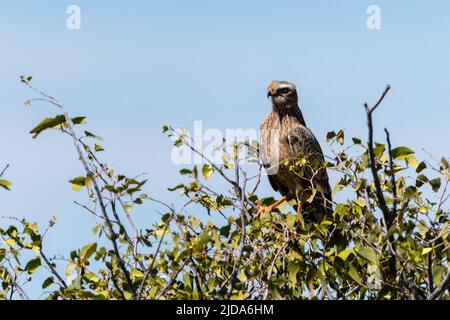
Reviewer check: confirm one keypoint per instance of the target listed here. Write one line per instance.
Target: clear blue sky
(136, 65)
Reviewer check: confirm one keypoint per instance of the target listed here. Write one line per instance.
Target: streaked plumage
(285, 136)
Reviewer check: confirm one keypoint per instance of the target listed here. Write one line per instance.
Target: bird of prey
(284, 139)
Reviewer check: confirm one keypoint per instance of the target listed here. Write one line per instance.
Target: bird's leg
(300, 212)
(272, 206)
(300, 207)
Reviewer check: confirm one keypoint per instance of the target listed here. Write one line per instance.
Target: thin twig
(19, 288)
(388, 217)
(90, 174)
(236, 186)
(164, 289)
(269, 275)
(391, 165)
(53, 270)
(379, 192)
(4, 170)
(150, 267)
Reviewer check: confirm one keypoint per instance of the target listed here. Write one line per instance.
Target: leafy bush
(388, 240)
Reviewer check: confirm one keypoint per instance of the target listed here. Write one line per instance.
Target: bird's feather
(285, 137)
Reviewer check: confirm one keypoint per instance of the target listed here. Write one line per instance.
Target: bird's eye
(284, 90)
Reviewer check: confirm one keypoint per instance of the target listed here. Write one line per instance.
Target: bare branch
(53, 270)
(437, 294)
(15, 283)
(269, 275)
(430, 272)
(387, 214)
(235, 184)
(380, 99)
(150, 267)
(391, 165)
(172, 279)
(373, 168)
(4, 170)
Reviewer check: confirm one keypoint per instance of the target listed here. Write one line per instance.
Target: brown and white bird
(284, 138)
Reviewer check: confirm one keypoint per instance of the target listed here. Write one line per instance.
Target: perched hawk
(284, 139)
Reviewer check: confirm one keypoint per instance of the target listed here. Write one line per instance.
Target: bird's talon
(262, 211)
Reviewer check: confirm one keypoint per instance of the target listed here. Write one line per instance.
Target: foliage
(369, 248)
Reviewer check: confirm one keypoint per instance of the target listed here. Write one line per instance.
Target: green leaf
(5, 184)
(331, 135)
(412, 161)
(10, 242)
(338, 187)
(76, 187)
(426, 250)
(340, 137)
(400, 152)
(91, 135)
(78, 120)
(33, 264)
(47, 282)
(91, 277)
(444, 164)
(360, 202)
(435, 184)
(98, 148)
(438, 274)
(420, 180)
(180, 186)
(185, 171)
(2, 254)
(421, 167)
(96, 228)
(136, 274)
(368, 254)
(69, 269)
(291, 220)
(207, 171)
(195, 172)
(78, 183)
(345, 253)
(354, 274)
(51, 123)
(25, 79)
(88, 251)
(379, 149)
(293, 269)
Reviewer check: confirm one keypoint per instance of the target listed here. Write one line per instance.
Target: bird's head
(283, 94)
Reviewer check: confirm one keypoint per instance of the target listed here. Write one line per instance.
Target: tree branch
(242, 244)
(53, 270)
(391, 166)
(387, 214)
(437, 294)
(150, 267)
(4, 170)
(19, 288)
(379, 192)
(91, 175)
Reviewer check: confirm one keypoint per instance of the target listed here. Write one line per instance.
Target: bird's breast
(275, 145)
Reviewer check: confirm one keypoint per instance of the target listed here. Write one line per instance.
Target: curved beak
(269, 94)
